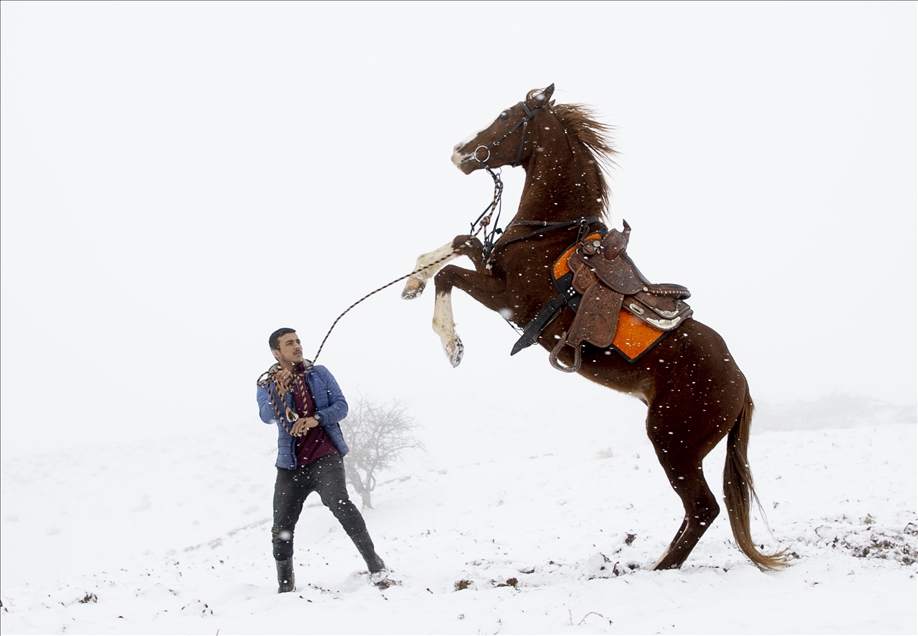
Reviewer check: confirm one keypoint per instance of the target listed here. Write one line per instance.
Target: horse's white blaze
(469, 138)
(458, 158)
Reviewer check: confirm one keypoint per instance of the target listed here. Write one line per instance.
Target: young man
(306, 404)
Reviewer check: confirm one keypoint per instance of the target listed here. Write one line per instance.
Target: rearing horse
(694, 391)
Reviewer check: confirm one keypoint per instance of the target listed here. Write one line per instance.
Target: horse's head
(505, 141)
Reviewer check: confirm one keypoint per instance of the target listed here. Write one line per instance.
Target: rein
(484, 219)
(583, 222)
(489, 242)
(490, 238)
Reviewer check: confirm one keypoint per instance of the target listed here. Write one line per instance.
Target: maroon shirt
(315, 443)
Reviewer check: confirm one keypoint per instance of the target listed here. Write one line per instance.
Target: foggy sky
(180, 179)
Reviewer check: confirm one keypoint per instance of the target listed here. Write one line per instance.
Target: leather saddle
(609, 281)
(601, 284)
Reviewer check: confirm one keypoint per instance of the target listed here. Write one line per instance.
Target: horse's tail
(739, 490)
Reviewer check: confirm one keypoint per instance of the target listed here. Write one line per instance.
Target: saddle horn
(615, 243)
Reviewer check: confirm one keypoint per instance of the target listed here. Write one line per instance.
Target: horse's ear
(544, 96)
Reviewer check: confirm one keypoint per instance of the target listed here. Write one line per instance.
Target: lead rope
(299, 380)
(408, 275)
(481, 222)
(266, 378)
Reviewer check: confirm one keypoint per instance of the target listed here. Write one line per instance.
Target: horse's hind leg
(681, 460)
(700, 511)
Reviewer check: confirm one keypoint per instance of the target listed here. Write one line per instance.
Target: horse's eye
(505, 115)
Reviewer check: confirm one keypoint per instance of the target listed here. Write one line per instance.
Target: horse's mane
(595, 137)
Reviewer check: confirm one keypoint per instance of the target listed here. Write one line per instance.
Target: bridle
(484, 219)
(524, 122)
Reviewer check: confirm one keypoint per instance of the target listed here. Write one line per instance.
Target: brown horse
(694, 391)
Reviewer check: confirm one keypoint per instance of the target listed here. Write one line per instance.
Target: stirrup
(553, 356)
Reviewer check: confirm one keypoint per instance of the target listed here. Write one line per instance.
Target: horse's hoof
(413, 288)
(454, 352)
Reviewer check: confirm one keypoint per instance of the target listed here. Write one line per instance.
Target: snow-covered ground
(509, 522)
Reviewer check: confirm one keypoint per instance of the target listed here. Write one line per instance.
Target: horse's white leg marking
(669, 549)
(445, 327)
(416, 284)
(443, 323)
(660, 560)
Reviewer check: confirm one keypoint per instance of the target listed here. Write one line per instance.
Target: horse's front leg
(481, 285)
(430, 263)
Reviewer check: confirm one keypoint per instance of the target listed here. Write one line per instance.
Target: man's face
(291, 351)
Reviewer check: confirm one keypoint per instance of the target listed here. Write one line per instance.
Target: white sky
(179, 179)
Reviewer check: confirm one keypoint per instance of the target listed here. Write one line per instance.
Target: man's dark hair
(274, 340)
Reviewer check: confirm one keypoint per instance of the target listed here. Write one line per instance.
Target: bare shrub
(377, 436)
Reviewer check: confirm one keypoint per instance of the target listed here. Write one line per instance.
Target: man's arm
(265, 409)
(337, 408)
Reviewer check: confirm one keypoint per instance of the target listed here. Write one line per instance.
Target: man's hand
(282, 381)
(303, 425)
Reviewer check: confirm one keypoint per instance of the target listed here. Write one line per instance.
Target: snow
(545, 528)
(181, 179)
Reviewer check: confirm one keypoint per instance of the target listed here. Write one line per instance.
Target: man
(306, 404)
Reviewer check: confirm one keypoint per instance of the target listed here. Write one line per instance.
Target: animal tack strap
(546, 314)
(583, 222)
(490, 237)
(524, 122)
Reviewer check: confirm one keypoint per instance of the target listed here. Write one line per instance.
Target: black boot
(365, 546)
(285, 579)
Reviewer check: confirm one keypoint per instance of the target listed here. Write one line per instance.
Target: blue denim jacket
(330, 405)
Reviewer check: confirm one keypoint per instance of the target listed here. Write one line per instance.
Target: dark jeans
(324, 476)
